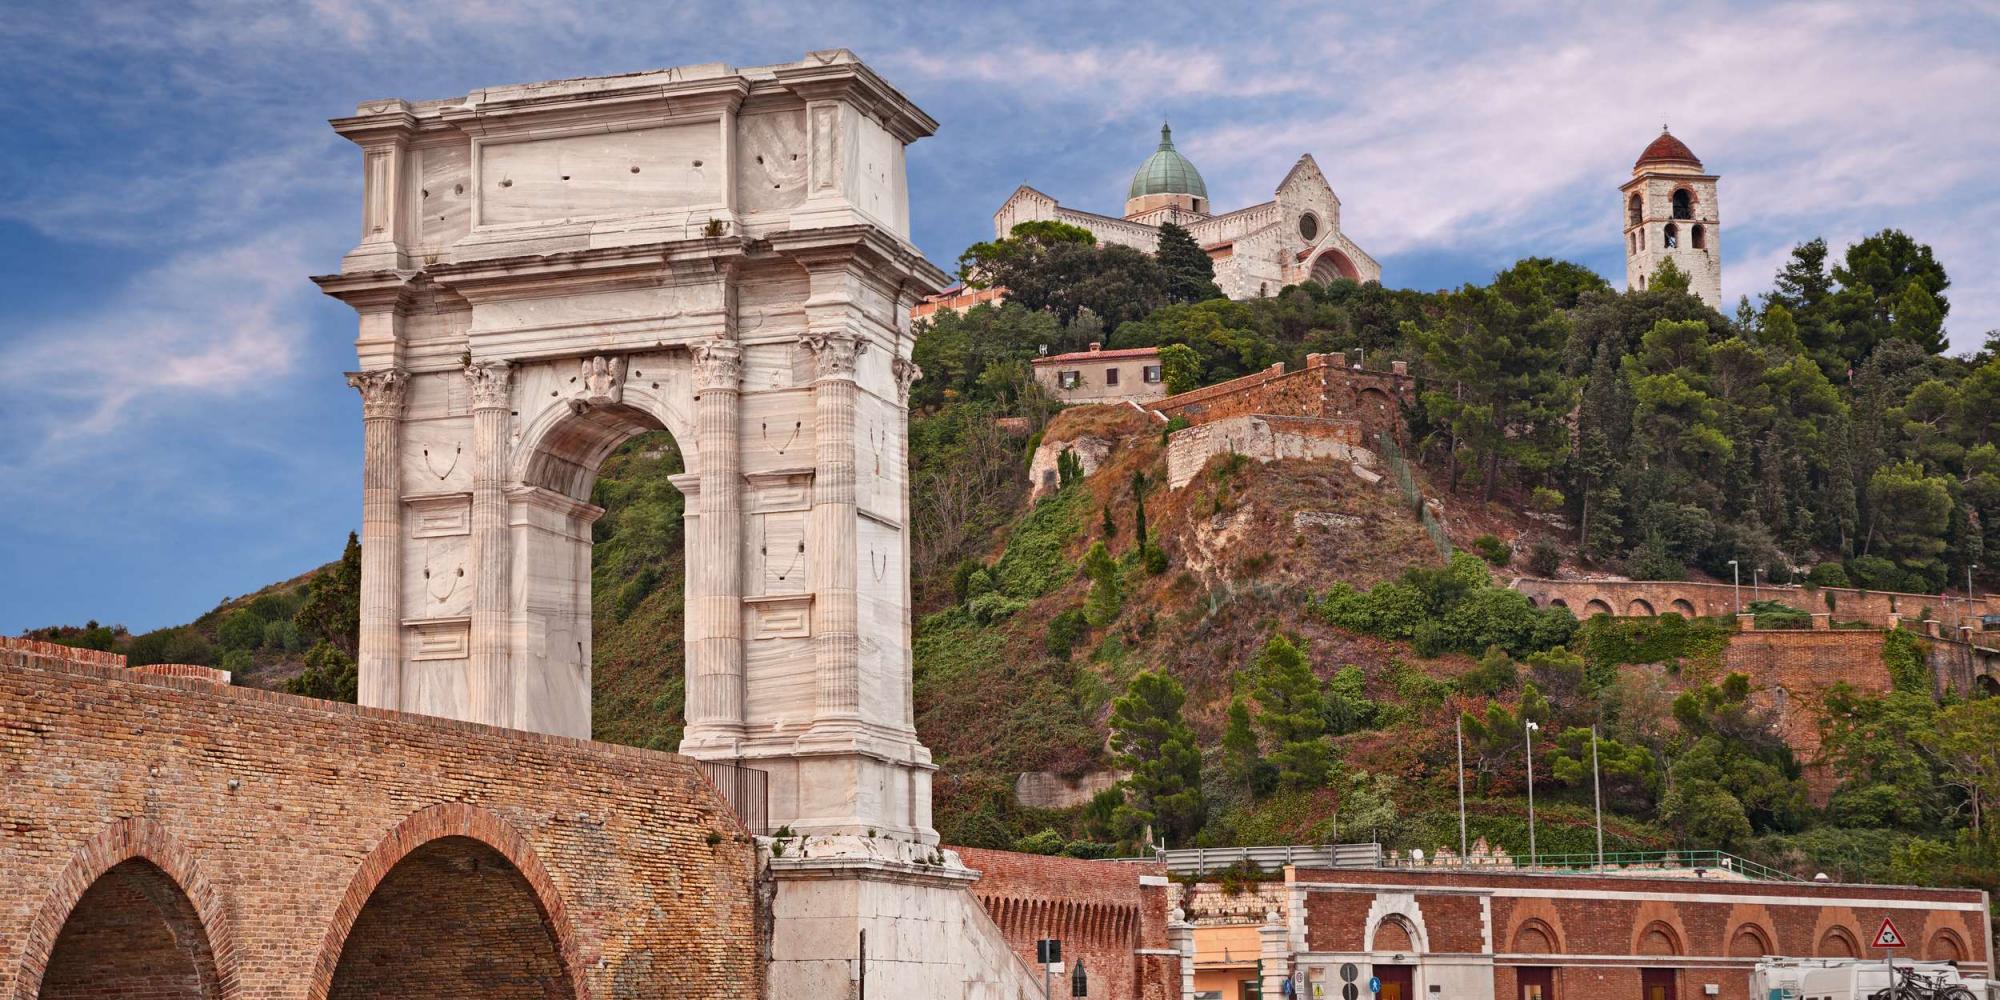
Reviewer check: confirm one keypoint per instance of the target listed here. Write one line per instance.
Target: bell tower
(1670, 213)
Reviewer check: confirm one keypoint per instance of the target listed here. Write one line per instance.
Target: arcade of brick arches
(545, 271)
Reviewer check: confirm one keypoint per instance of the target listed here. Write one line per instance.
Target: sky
(174, 428)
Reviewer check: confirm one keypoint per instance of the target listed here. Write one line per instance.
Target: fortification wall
(1620, 598)
(271, 820)
(1111, 914)
(1265, 438)
(1325, 388)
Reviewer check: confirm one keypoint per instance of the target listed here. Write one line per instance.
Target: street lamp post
(1736, 586)
(1534, 857)
(1597, 798)
(1755, 594)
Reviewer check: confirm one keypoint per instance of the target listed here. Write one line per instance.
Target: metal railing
(1201, 860)
(746, 789)
(1697, 863)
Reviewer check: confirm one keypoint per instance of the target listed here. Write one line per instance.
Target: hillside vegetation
(1284, 653)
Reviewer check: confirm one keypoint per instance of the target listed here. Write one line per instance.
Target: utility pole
(1534, 858)
(1597, 796)
(1460, 727)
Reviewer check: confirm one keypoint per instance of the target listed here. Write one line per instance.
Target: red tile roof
(1667, 149)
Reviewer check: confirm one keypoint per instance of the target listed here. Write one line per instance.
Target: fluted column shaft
(715, 612)
(489, 687)
(380, 663)
(836, 640)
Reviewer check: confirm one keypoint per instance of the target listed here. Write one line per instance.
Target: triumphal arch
(546, 270)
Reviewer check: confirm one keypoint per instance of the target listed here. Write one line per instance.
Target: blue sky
(173, 425)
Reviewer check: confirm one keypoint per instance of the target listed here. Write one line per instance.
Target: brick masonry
(1621, 598)
(1113, 915)
(1596, 933)
(296, 848)
(1325, 388)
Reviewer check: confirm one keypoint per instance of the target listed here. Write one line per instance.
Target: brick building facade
(1455, 934)
(1111, 915)
(164, 836)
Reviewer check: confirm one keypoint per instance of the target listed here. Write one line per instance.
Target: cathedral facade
(1293, 237)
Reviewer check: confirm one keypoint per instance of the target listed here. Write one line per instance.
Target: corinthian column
(489, 689)
(836, 644)
(715, 614)
(381, 659)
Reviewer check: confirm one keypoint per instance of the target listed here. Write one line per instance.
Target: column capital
(718, 364)
(834, 353)
(490, 382)
(383, 392)
(907, 373)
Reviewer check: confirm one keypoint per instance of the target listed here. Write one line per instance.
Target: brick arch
(1639, 607)
(1838, 942)
(1531, 916)
(1658, 929)
(1750, 940)
(425, 827)
(1945, 946)
(128, 839)
(1682, 606)
(1596, 606)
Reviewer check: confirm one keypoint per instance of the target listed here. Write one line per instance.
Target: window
(1634, 210)
(1068, 380)
(1672, 238)
(1110, 376)
(1700, 237)
(1152, 374)
(1683, 204)
(1309, 227)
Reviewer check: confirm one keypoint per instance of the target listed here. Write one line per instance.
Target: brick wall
(1649, 597)
(1791, 673)
(328, 850)
(1597, 932)
(1325, 388)
(1100, 910)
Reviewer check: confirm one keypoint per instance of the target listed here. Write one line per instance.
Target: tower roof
(1665, 150)
(1167, 172)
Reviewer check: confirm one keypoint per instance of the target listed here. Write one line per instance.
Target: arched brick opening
(130, 915)
(1534, 937)
(1838, 942)
(1639, 608)
(1988, 685)
(1945, 946)
(1750, 941)
(1393, 934)
(1683, 606)
(1596, 606)
(1659, 938)
(452, 904)
(133, 934)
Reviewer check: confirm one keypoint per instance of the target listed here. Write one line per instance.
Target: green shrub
(1065, 631)
(1829, 574)
(241, 630)
(1493, 550)
(1545, 558)
(1907, 658)
(1776, 615)
(1156, 560)
(1034, 562)
(1106, 597)
(991, 607)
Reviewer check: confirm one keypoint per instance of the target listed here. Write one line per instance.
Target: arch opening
(1682, 605)
(1659, 939)
(1671, 237)
(1334, 266)
(1393, 934)
(1838, 942)
(1750, 941)
(1988, 686)
(1557, 602)
(1945, 946)
(1700, 236)
(1535, 938)
(133, 933)
(566, 457)
(1683, 204)
(1634, 210)
(452, 919)
(1639, 607)
(1596, 606)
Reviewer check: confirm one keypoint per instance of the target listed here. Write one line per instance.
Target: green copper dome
(1167, 172)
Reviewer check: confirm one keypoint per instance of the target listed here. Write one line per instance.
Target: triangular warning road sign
(1887, 937)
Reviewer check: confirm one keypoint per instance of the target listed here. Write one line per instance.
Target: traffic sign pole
(1889, 939)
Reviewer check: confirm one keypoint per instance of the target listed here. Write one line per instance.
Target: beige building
(1294, 237)
(1671, 214)
(1100, 376)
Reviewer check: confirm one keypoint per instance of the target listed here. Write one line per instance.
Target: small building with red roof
(1127, 375)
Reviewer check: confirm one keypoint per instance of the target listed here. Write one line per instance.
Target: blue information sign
(1374, 984)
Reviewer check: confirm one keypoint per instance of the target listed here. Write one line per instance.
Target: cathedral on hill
(1294, 237)
(1671, 214)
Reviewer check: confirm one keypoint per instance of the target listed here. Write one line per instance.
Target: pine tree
(1155, 744)
(1190, 272)
(1240, 754)
(1106, 597)
(1292, 714)
(332, 610)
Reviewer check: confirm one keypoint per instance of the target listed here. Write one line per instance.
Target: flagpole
(1597, 795)
(1461, 790)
